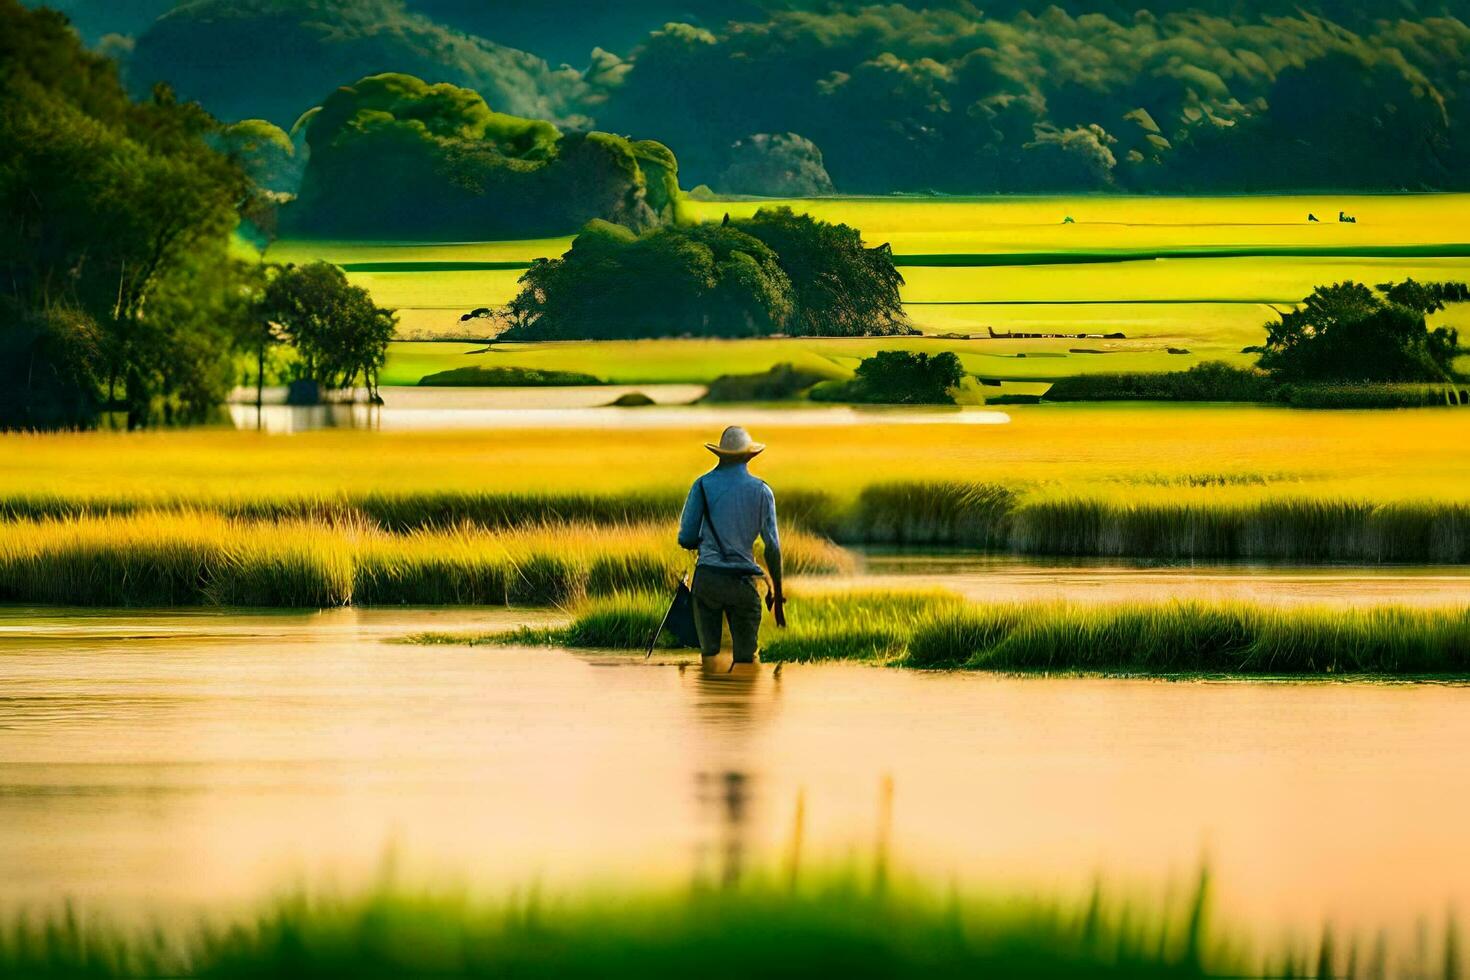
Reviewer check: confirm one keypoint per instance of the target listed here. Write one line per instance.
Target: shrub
(1210, 381)
(476, 376)
(895, 377)
(781, 383)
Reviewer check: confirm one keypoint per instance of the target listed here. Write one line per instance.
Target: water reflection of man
(729, 707)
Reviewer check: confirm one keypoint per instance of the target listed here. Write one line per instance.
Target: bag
(679, 619)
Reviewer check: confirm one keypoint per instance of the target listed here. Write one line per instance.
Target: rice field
(1118, 480)
(939, 630)
(1201, 274)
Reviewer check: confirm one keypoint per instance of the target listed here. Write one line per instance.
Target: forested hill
(786, 97)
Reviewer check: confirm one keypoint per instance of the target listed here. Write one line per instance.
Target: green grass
(693, 361)
(1200, 273)
(855, 922)
(936, 629)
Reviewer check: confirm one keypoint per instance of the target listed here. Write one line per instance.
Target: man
(726, 510)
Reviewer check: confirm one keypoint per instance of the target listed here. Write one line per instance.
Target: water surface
(195, 760)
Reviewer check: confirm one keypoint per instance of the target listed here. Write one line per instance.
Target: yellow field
(1211, 306)
(1163, 453)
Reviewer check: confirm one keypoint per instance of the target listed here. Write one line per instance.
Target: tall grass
(936, 629)
(1285, 528)
(192, 558)
(843, 923)
(847, 921)
(1174, 516)
(1148, 482)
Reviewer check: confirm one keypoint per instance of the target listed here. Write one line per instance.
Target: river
(197, 760)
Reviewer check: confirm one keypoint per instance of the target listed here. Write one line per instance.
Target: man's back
(740, 508)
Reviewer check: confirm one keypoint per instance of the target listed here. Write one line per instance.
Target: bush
(895, 377)
(1374, 395)
(1349, 332)
(781, 383)
(1211, 381)
(505, 377)
(774, 273)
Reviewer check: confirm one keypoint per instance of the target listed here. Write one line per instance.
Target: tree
(119, 214)
(1349, 332)
(706, 280)
(896, 377)
(339, 334)
(841, 288)
(394, 155)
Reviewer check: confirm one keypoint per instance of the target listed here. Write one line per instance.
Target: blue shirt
(741, 508)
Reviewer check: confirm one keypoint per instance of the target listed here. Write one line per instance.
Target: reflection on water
(1006, 578)
(148, 761)
(423, 409)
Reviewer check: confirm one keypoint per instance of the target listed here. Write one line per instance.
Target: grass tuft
(940, 630)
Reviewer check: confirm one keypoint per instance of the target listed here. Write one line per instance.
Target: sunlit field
(1031, 273)
(1203, 481)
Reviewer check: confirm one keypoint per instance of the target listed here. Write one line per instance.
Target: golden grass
(191, 557)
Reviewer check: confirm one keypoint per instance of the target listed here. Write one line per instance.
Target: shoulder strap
(709, 519)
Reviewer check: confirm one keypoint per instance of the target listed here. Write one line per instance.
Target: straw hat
(735, 443)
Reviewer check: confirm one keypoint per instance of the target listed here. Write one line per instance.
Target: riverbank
(941, 630)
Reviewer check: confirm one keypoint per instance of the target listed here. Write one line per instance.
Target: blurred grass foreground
(827, 924)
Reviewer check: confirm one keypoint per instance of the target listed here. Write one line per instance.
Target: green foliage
(782, 382)
(854, 920)
(339, 334)
(1209, 381)
(274, 59)
(776, 272)
(1073, 96)
(709, 280)
(895, 377)
(1349, 332)
(1374, 395)
(938, 629)
(506, 377)
(394, 155)
(114, 243)
(841, 288)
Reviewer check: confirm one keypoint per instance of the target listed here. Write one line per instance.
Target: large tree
(776, 273)
(340, 336)
(1349, 332)
(117, 219)
(394, 155)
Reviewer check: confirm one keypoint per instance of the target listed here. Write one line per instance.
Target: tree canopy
(392, 154)
(898, 377)
(118, 283)
(1350, 332)
(775, 273)
(946, 95)
(274, 59)
(340, 335)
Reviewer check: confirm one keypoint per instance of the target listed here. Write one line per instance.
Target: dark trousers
(721, 595)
